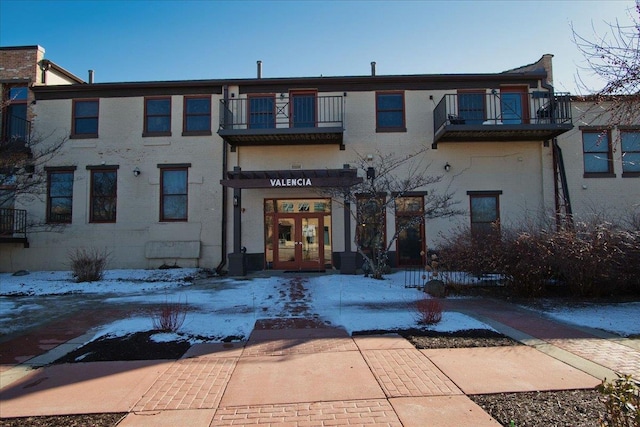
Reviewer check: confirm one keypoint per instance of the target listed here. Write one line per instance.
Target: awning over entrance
(292, 178)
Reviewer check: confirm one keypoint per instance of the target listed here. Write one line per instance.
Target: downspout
(223, 231)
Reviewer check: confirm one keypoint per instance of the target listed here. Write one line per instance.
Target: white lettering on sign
(291, 182)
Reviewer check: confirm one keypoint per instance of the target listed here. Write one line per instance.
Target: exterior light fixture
(236, 201)
(371, 173)
(447, 167)
(136, 172)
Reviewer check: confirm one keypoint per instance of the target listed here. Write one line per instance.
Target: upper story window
(262, 112)
(484, 207)
(390, 115)
(471, 107)
(15, 125)
(157, 117)
(174, 192)
(597, 153)
(630, 141)
(104, 194)
(197, 115)
(59, 195)
(85, 119)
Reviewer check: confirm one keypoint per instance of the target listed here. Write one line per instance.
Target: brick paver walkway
(610, 354)
(298, 346)
(377, 412)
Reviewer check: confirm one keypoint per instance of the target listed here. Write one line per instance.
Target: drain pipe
(223, 231)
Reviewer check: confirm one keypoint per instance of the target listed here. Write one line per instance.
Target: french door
(300, 244)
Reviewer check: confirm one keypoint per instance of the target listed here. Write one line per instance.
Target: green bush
(88, 265)
(622, 400)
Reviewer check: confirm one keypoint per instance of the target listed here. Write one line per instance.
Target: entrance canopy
(292, 178)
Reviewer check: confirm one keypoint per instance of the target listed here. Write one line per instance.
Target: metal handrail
(13, 222)
(275, 112)
(502, 108)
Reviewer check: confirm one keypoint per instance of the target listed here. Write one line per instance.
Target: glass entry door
(300, 244)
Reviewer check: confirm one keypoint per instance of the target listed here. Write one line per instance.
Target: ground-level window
(59, 195)
(485, 212)
(597, 153)
(630, 141)
(104, 194)
(371, 228)
(410, 228)
(174, 193)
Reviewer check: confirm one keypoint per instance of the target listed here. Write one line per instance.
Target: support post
(237, 259)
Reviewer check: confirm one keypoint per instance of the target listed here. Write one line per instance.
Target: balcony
(16, 134)
(506, 116)
(282, 120)
(13, 226)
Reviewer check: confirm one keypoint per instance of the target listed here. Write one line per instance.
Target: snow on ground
(221, 308)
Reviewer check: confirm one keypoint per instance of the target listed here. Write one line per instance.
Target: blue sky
(182, 40)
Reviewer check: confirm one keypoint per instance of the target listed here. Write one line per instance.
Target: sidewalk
(294, 372)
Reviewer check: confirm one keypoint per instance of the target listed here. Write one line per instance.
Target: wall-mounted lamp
(371, 173)
(136, 172)
(447, 167)
(282, 96)
(236, 201)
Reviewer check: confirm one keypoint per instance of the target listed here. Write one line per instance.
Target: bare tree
(614, 57)
(390, 179)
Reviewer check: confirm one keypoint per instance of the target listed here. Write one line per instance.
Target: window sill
(386, 130)
(173, 220)
(83, 136)
(630, 174)
(153, 134)
(197, 133)
(599, 175)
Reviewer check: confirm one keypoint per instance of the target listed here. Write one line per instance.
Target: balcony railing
(282, 119)
(501, 116)
(16, 134)
(13, 226)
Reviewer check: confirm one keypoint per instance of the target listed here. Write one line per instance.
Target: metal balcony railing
(16, 130)
(282, 112)
(13, 223)
(502, 108)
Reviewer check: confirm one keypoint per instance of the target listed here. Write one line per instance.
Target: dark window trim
(630, 174)
(162, 195)
(402, 128)
(74, 133)
(58, 170)
(599, 130)
(105, 168)
(186, 132)
(173, 165)
(145, 131)
(628, 129)
(485, 193)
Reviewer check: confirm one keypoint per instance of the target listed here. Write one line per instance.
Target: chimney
(90, 76)
(259, 63)
(373, 68)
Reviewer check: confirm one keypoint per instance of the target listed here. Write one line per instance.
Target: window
(630, 141)
(103, 194)
(471, 107)
(261, 112)
(596, 147)
(485, 213)
(371, 228)
(85, 119)
(59, 195)
(15, 124)
(197, 116)
(157, 117)
(390, 112)
(174, 188)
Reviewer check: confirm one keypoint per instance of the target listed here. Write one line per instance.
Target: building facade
(235, 174)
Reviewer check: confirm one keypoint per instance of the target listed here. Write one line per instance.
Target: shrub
(170, 316)
(429, 310)
(622, 402)
(88, 265)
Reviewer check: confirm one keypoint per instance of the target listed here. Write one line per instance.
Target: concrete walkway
(295, 372)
